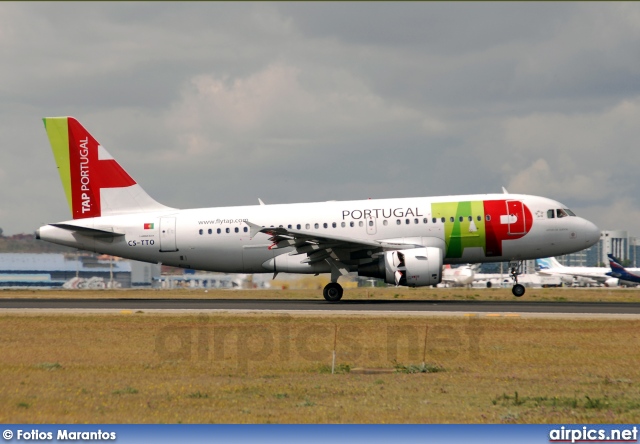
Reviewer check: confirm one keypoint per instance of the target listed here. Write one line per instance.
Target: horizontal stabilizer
(93, 232)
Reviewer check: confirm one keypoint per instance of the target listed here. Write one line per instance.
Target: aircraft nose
(591, 232)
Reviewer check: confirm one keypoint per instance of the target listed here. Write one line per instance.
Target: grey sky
(216, 104)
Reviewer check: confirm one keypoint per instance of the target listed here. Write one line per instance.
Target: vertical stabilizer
(94, 182)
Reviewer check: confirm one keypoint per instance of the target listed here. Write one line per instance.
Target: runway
(310, 306)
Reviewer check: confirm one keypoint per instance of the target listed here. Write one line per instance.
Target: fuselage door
(515, 218)
(168, 234)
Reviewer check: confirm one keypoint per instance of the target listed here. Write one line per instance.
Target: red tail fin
(95, 184)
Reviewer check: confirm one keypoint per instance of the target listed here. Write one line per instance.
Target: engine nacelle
(612, 282)
(417, 267)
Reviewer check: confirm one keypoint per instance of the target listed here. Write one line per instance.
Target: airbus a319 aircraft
(403, 241)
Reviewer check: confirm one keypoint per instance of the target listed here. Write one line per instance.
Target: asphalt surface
(252, 305)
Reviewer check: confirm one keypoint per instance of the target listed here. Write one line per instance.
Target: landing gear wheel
(332, 292)
(518, 290)
(516, 269)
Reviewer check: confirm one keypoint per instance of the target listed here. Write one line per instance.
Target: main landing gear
(332, 292)
(515, 268)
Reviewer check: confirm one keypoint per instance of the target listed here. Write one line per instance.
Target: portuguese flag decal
(148, 226)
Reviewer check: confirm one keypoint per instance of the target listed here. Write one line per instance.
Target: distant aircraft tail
(617, 269)
(624, 275)
(94, 182)
(549, 262)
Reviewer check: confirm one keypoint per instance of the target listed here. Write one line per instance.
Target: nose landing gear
(515, 268)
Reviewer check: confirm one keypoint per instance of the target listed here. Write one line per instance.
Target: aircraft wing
(335, 250)
(600, 278)
(285, 237)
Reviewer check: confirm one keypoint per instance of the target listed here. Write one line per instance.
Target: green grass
(125, 391)
(265, 368)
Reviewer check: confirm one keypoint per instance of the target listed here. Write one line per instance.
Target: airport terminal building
(616, 242)
(53, 270)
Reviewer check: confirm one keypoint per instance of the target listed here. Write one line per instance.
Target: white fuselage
(219, 239)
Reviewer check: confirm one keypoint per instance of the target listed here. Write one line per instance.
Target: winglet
(260, 200)
(504, 190)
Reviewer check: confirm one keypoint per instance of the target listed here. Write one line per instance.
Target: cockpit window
(561, 213)
(569, 212)
(551, 214)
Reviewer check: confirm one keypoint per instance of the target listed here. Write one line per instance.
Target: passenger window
(371, 223)
(201, 231)
(425, 220)
(442, 219)
(220, 231)
(470, 219)
(210, 231)
(361, 224)
(479, 218)
(316, 226)
(488, 217)
(416, 221)
(245, 229)
(451, 219)
(236, 229)
(325, 225)
(352, 224)
(461, 218)
(289, 226)
(298, 227)
(407, 221)
(334, 225)
(385, 222)
(307, 226)
(398, 221)
(227, 230)
(434, 220)
(343, 224)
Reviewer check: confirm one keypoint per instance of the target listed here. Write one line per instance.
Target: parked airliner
(575, 276)
(403, 241)
(462, 276)
(627, 276)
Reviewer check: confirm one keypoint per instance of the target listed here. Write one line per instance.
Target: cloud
(617, 213)
(541, 179)
(276, 114)
(586, 156)
(209, 104)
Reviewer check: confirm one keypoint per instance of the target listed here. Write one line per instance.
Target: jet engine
(612, 282)
(417, 267)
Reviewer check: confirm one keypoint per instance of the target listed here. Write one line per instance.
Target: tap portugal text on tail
(404, 241)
